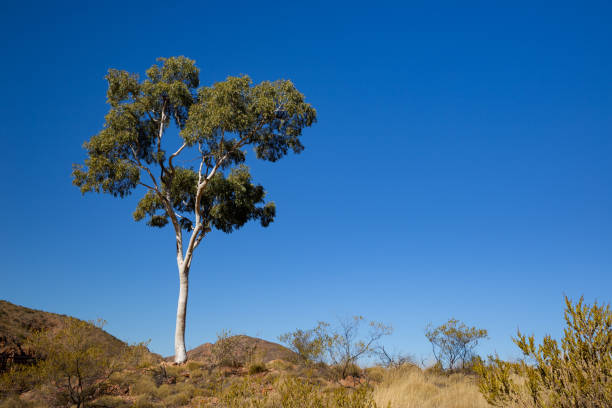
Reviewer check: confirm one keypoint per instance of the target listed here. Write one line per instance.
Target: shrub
(192, 365)
(144, 385)
(578, 374)
(232, 350)
(393, 360)
(309, 345)
(454, 343)
(13, 401)
(347, 370)
(296, 393)
(108, 401)
(344, 344)
(359, 398)
(256, 368)
(75, 365)
(243, 394)
(177, 400)
(375, 373)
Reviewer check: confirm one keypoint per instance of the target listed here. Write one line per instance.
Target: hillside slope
(18, 322)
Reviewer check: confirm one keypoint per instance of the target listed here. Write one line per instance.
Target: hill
(18, 322)
(240, 349)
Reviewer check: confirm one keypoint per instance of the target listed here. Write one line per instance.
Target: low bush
(578, 374)
(256, 368)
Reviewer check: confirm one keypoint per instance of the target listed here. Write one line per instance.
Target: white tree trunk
(180, 354)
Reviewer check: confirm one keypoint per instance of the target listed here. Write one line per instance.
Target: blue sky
(460, 167)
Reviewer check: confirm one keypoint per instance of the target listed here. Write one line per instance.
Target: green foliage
(577, 374)
(297, 393)
(308, 344)
(453, 342)
(361, 397)
(72, 364)
(219, 120)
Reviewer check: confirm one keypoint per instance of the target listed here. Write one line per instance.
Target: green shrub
(309, 345)
(109, 401)
(194, 365)
(358, 398)
(144, 385)
(280, 365)
(243, 394)
(576, 375)
(177, 400)
(296, 393)
(196, 374)
(73, 364)
(256, 368)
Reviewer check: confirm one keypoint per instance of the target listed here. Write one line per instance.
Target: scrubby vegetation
(576, 375)
(280, 385)
(73, 369)
(409, 386)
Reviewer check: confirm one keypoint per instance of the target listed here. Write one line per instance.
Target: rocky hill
(18, 322)
(239, 349)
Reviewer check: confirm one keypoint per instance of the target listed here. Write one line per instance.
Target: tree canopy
(219, 120)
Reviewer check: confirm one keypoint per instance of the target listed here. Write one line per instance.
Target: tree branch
(148, 186)
(173, 155)
(159, 138)
(145, 168)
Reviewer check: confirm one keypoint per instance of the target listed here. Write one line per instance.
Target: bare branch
(173, 155)
(148, 186)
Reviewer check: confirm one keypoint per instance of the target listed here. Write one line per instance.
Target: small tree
(454, 343)
(74, 363)
(578, 374)
(214, 123)
(347, 343)
(231, 350)
(309, 345)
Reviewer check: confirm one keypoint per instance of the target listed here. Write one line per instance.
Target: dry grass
(410, 387)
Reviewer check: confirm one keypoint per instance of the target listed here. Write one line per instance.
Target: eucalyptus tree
(194, 195)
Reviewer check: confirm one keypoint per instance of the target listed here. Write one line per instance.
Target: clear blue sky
(460, 167)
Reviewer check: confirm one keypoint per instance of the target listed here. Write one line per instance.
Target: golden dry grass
(410, 387)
